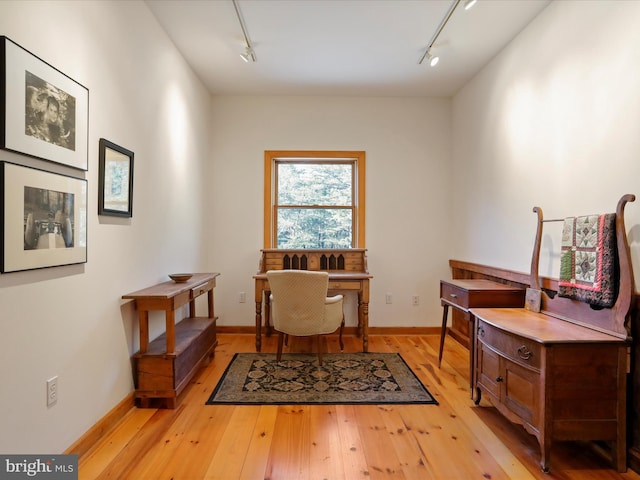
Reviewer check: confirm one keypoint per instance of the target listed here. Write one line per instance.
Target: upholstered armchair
(300, 306)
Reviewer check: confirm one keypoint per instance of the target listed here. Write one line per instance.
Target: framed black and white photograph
(44, 218)
(115, 180)
(43, 113)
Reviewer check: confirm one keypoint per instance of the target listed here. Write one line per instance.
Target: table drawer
(522, 351)
(453, 294)
(338, 285)
(202, 288)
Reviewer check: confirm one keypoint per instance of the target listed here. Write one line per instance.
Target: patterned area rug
(343, 378)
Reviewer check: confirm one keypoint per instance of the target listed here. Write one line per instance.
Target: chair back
(298, 300)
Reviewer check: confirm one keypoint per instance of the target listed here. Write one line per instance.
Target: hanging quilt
(588, 262)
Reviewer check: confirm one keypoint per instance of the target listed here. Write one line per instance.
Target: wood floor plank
(405, 444)
(326, 449)
(354, 461)
(290, 448)
(379, 451)
(229, 457)
(255, 463)
(201, 438)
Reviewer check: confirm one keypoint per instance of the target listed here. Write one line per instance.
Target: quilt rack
(614, 320)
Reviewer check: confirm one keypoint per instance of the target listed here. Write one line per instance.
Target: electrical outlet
(242, 297)
(388, 298)
(52, 391)
(415, 300)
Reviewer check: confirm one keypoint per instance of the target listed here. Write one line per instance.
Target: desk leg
(363, 316)
(258, 325)
(267, 312)
(363, 308)
(443, 331)
(365, 327)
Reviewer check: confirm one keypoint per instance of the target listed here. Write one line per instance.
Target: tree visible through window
(316, 200)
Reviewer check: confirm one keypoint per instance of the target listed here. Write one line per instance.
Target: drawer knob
(481, 331)
(524, 353)
(453, 295)
(499, 379)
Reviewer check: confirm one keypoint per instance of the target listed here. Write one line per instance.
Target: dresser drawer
(453, 294)
(520, 350)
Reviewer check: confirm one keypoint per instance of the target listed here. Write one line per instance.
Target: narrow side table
(474, 293)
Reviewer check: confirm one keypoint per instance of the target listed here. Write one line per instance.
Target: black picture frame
(43, 112)
(44, 218)
(115, 180)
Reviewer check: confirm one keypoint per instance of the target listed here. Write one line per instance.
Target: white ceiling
(340, 47)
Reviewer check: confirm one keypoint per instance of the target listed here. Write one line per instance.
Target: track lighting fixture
(248, 54)
(433, 59)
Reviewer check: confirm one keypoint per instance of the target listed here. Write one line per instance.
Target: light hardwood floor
(453, 440)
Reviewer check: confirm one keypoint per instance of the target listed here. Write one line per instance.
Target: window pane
(315, 184)
(314, 228)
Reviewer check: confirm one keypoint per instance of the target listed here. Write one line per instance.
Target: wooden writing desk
(465, 294)
(347, 271)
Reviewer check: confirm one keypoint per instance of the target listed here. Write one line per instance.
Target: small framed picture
(43, 112)
(44, 218)
(115, 180)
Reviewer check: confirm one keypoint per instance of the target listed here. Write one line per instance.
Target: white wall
(70, 321)
(407, 144)
(553, 122)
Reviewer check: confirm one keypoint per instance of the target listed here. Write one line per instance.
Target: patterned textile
(588, 262)
(343, 378)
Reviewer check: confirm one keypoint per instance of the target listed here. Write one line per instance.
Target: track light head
(433, 59)
(247, 56)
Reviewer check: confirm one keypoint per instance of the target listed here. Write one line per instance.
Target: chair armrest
(335, 299)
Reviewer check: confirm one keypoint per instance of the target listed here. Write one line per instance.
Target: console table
(347, 271)
(164, 366)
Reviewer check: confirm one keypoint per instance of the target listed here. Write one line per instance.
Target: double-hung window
(314, 200)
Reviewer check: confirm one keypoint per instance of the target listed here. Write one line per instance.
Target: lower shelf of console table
(163, 376)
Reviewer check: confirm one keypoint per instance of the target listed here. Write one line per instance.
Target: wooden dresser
(562, 372)
(164, 366)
